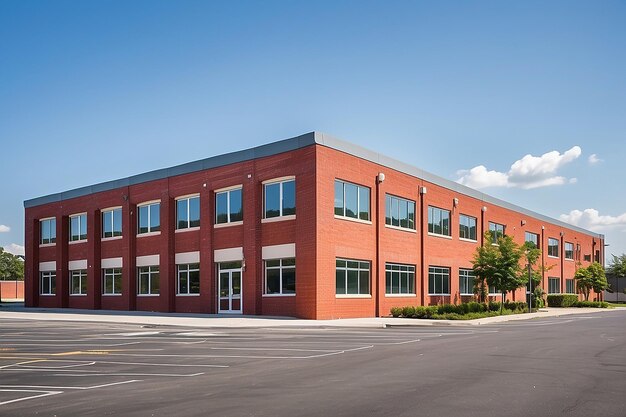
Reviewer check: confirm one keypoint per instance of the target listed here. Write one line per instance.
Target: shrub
(494, 306)
(408, 311)
(475, 307)
(396, 311)
(592, 304)
(562, 300)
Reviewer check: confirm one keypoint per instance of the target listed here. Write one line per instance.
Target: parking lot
(570, 365)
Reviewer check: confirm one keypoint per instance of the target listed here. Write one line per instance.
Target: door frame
(230, 292)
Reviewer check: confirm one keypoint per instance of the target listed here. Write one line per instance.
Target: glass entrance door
(229, 287)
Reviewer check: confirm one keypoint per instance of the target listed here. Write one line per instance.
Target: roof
(291, 144)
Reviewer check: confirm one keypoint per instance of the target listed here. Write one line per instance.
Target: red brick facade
(319, 236)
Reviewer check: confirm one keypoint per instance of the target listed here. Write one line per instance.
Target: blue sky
(99, 90)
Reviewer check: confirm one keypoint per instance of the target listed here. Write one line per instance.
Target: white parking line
(30, 397)
(56, 387)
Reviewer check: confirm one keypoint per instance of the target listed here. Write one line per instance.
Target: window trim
(495, 231)
(150, 272)
(369, 270)
(358, 202)
(447, 236)
(467, 239)
(573, 281)
(72, 242)
(228, 191)
(401, 199)
(549, 286)
(527, 232)
(82, 277)
(111, 294)
(188, 198)
(557, 248)
(401, 294)
(280, 181)
(473, 276)
(188, 270)
(47, 219)
(107, 210)
(449, 283)
(565, 251)
(149, 232)
(50, 275)
(280, 269)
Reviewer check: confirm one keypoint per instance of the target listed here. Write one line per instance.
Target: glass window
(467, 227)
(188, 212)
(352, 277)
(280, 276)
(47, 231)
(280, 199)
(78, 227)
(112, 223)
(399, 212)
(112, 281)
(399, 279)
(569, 250)
(148, 278)
(438, 280)
(47, 283)
(352, 200)
(438, 221)
(553, 247)
(497, 231)
(532, 238)
(570, 286)
(554, 285)
(78, 282)
(188, 279)
(149, 218)
(466, 281)
(228, 206)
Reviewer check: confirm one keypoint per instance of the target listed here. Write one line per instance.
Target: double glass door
(229, 287)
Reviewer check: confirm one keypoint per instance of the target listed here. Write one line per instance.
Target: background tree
(617, 268)
(499, 265)
(11, 267)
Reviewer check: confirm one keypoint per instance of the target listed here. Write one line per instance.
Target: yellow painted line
(6, 349)
(82, 352)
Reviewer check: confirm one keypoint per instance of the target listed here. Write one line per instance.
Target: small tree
(598, 278)
(584, 281)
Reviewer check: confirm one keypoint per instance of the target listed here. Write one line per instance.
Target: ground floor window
(78, 282)
(570, 286)
(466, 281)
(188, 279)
(47, 283)
(280, 276)
(148, 280)
(554, 285)
(352, 277)
(438, 280)
(112, 281)
(399, 279)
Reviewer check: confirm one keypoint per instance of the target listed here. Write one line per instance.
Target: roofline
(291, 144)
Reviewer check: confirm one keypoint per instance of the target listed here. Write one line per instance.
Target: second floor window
(352, 200)
(78, 227)
(438, 221)
(569, 250)
(497, 232)
(532, 238)
(47, 231)
(112, 222)
(149, 218)
(280, 199)
(188, 212)
(467, 227)
(399, 212)
(228, 206)
(553, 247)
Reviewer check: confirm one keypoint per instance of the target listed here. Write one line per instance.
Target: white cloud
(15, 249)
(591, 219)
(528, 172)
(4, 229)
(593, 159)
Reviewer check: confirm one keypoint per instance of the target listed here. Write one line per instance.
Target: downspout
(379, 178)
(422, 191)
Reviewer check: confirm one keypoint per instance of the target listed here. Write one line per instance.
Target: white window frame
(112, 211)
(358, 269)
(188, 198)
(113, 274)
(149, 274)
(433, 233)
(550, 281)
(495, 230)
(551, 239)
(187, 269)
(565, 245)
(50, 276)
(358, 203)
(81, 274)
(468, 239)
(80, 228)
(467, 274)
(280, 268)
(149, 232)
(281, 181)
(406, 201)
(438, 273)
(227, 191)
(410, 277)
(48, 221)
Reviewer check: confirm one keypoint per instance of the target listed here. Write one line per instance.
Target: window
(112, 222)
(149, 218)
(352, 200)
(438, 221)
(532, 238)
(228, 206)
(467, 227)
(280, 199)
(497, 232)
(112, 281)
(47, 283)
(400, 279)
(280, 276)
(188, 279)
(493, 290)
(554, 285)
(188, 212)
(466, 281)
(78, 282)
(353, 277)
(553, 247)
(569, 250)
(587, 258)
(47, 231)
(78, 227)
(399, 212)
(570, 286)
(438, 280)
(148, 280)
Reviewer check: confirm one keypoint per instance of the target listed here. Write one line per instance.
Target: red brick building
(311, 226)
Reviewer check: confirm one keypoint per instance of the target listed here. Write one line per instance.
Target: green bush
(475, 307)
(464, 311)
(562, 300)
(494, 306)
(592, 304)
(396, 311)
(408, 311)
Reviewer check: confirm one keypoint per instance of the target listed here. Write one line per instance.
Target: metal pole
(530, 290)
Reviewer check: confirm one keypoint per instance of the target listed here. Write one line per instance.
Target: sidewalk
(228, 321)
